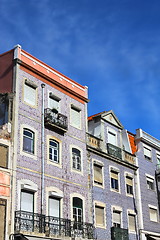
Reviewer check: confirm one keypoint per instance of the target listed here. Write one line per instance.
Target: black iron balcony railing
(114, 150)
(119, 233)
(54, 119)
(51, 226)
(29, 222)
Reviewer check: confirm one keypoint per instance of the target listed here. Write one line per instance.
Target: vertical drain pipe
(42, 151)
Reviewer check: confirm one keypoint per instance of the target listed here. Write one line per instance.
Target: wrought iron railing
(29, 222)
(52, 226)
(114, 150)
(53, 118)
(119, 233)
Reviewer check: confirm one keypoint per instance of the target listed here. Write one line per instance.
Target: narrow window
(3, 156)
(129, 185)
(27, 201)
(76, 159)
(132, 222)
(77, 209)
(75, 117)
(153, 214)
(150, 183)
(54, 151)
(116, 218)
(30, 94)
(112, 138)
(147, 153)
(98, 176)
(99, 216)
(114, 180)
(54, 207)
(53, 102)
(28, 141)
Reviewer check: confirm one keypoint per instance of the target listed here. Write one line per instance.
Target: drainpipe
(42, 150)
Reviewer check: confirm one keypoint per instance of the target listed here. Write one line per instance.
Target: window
(147, 153)
(114, 180)
(112, 138)
(54, 207)
(53, 102)
(30, 93)
(98, 176)
(75, 117)
(150, 183)
(76, 159)
(132, 222)
(99, 216)
(153, 214)
(3, 156)
(28, 140)
(77, 209)
(2, 218)
(116, 218)
(158, 160)
(54, 151)
(129, 185)
(27, 201)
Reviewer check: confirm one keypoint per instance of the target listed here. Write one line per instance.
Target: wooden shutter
(3, 156)
(27, 201)
(147, 152)
(53, 103)
(98, 174)
(112, 138)
(99, 211)
(2, 218)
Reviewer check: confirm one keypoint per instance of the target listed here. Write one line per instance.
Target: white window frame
(32, 85)
(147, 152)
(131, 213)
(103, 206)
(117, 209)
(81, 154)
(151, 179)
(54, 98)
(57, 164)
(116, 171)
(129, 175)
(111, 131)
(77, 195)
(32, 139)
(101, 165)
(72, 121)
(22, 152)
(153, 208)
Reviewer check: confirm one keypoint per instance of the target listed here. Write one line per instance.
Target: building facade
(63, 176)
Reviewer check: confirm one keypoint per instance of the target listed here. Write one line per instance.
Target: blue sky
(112, 46)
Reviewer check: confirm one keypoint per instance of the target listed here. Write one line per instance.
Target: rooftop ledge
(145, 137)
(50, 72)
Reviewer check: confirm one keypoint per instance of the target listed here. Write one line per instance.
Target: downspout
(42, 151)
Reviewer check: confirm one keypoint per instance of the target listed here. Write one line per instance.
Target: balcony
(94, 142)
(119, 233)
(51, 226)
(114, 151)
(53, 119)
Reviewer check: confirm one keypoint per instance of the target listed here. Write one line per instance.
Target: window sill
(27, 154)
(54, 163)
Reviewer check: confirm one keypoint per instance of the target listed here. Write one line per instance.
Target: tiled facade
(64, 178)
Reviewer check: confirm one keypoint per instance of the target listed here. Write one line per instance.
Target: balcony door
(27, 201)
(54, 207)
(77, 209)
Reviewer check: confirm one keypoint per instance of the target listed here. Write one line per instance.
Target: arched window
(54, 150)
(76, 159)
(28, 140)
